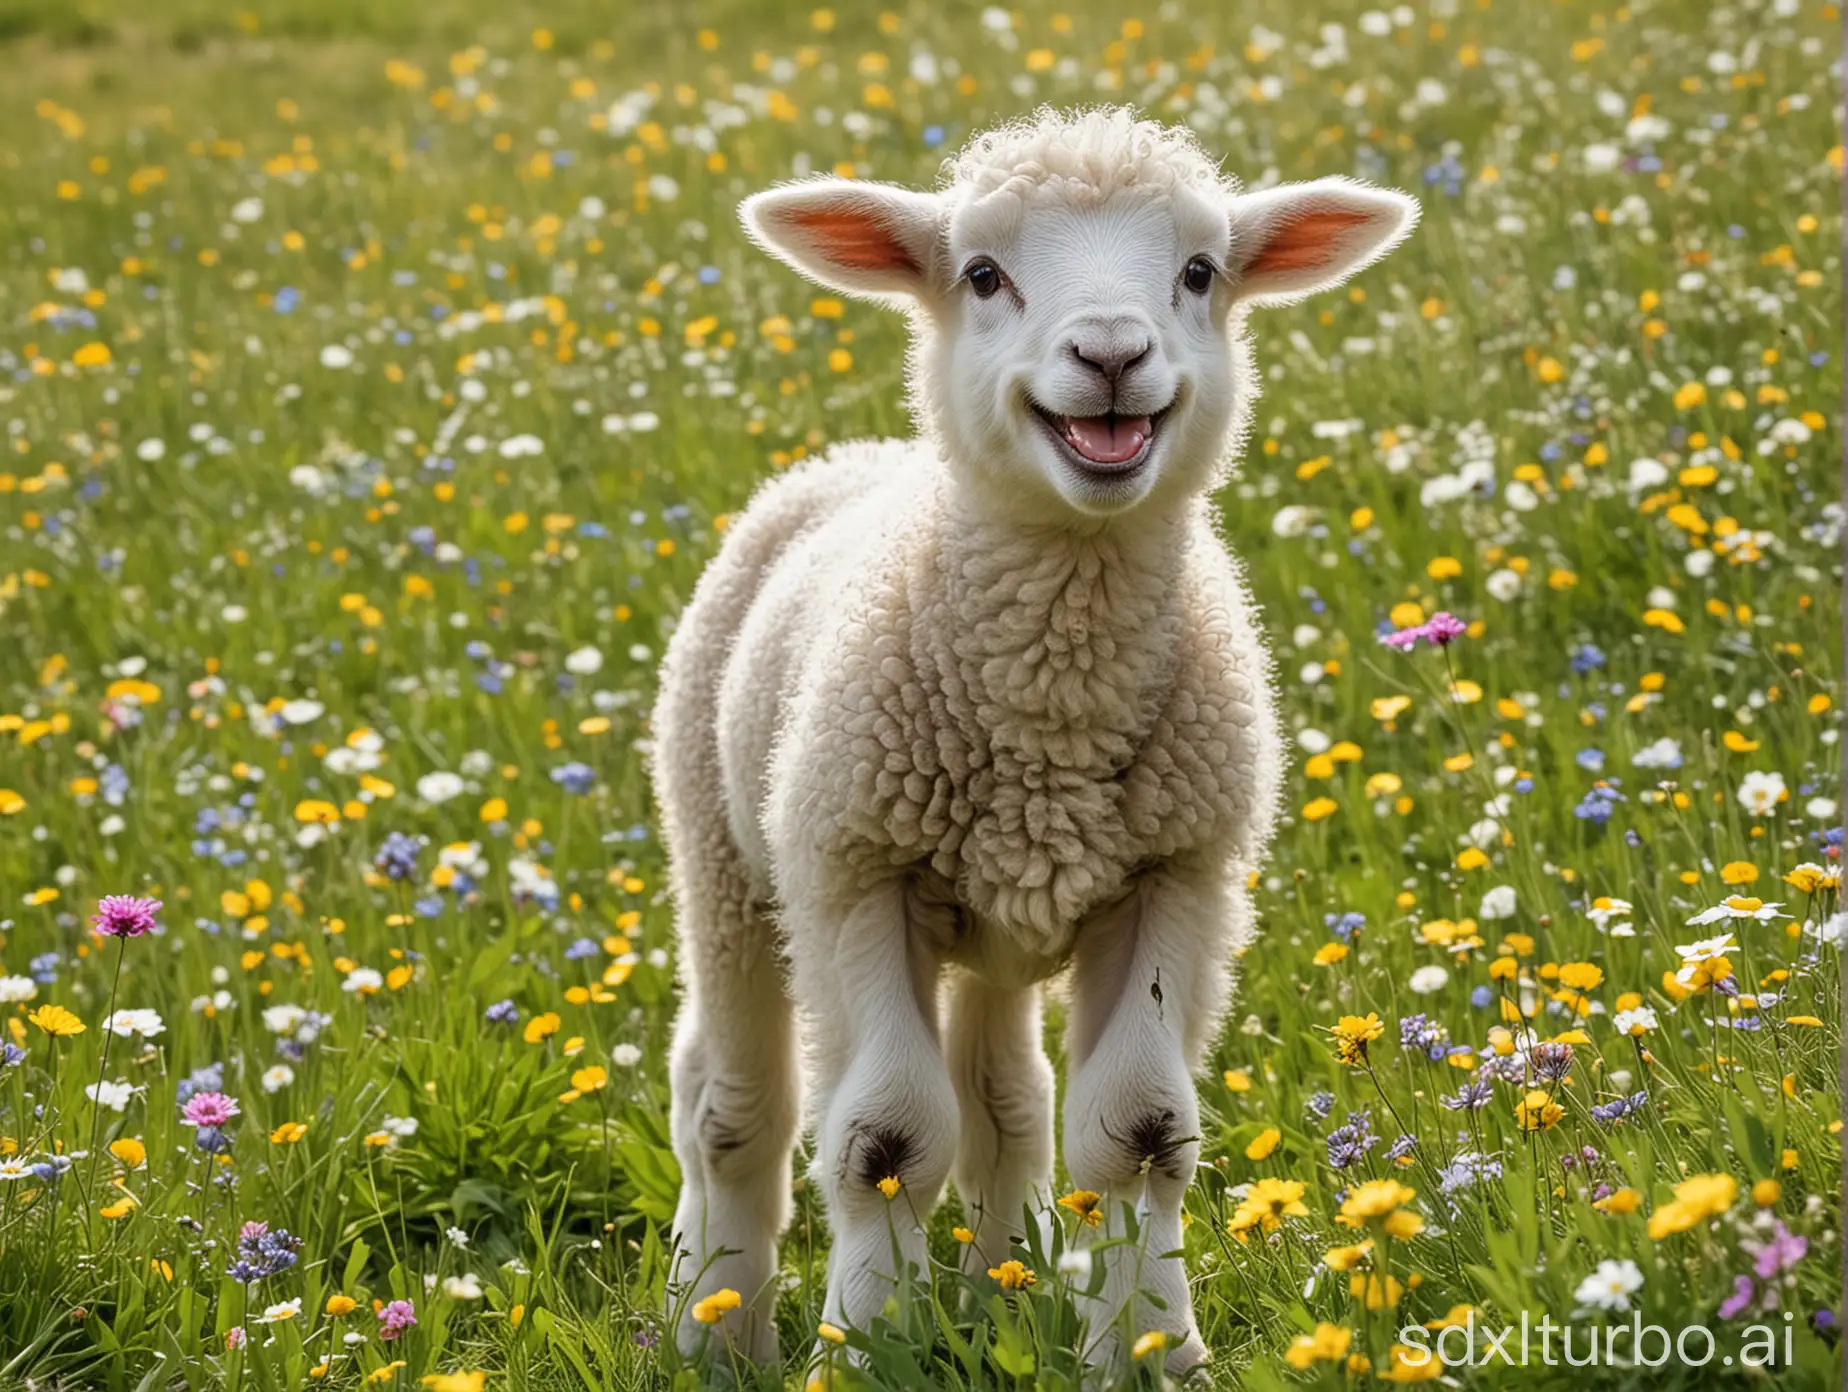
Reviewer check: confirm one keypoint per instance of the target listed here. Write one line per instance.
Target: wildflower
(889, 1186)
(1638, 1020)
(1551, 1062)
(1084, 1203)
(1760, 793)
(1736, 1304)
(1013, 1275)
(1537, 1111)
(1610, 1286)
(542, 1027)
(395, 1318)
(397, 858)
(56, 1021)
(503, 1012)
(1777, 1253)
(1699, 1197)
(339, 1306)
(1152, 1342)
(1467, 1170)
(130, 1151)
(262, 1253)
(1407, 1364)
(1328, 1344)
(455, 1382)
(1352, 1035)
(125, 916)
(212, 1109)
(1267, 1203)
(125, 1024)
(1348, 1144)
(1737, 906)
(1382, 1201)
(276, 1314)
(832, 1333)
(1619, 1108)
(467, 1286)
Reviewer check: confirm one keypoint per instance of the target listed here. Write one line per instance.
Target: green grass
(219, 515)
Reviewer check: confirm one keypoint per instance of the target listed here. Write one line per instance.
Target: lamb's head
(1077, 288)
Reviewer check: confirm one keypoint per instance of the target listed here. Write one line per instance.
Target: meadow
(376, 380)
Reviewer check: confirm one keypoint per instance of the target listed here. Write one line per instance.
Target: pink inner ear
(1305, 243)
(855, 239)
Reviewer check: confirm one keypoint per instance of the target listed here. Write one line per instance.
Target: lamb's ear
(1290, 241)
(874, 240)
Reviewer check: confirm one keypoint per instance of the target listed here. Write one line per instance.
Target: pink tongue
(1107, 440)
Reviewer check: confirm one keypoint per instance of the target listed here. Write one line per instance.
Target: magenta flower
(208, 1109)
(1783, 1251)
(1444, 627)
(1740, 1300)
(395, 1318)
(1405, 639)
(125, 916)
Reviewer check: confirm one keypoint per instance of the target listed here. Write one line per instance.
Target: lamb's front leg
(888, 1111)
(1150, 984)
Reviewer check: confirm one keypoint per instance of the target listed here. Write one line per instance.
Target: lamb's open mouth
(1109, 446)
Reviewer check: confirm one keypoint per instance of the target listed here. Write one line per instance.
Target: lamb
(951, 716)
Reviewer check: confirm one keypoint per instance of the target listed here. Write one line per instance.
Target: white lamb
(949, 716)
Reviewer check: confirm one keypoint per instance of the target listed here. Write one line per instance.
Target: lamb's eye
(984, 278)
(1198, 277)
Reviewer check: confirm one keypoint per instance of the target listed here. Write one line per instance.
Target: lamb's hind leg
(1150, 984)
(1004, 1089)
(735, 1106)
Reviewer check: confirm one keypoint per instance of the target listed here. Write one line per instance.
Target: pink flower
(1442, 627)
(208, 1109)
(125, 916)
(395, 1318)
(1404, 639)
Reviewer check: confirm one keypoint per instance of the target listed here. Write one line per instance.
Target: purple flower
(125, 916)
(397, 858)
(1551, 1061)
(1404, 639)
(1735, 1304)
(395, 1318)
(1783, 1251)
(503, 1012)
(1471, 1096)
(262, 1253)
(1443, 628)
(208, 1109)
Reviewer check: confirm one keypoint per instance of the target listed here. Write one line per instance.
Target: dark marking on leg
(1155, 993)
(880, 1152)
(1152, 1143)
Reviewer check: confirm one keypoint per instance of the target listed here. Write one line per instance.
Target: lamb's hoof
(1190, 1355)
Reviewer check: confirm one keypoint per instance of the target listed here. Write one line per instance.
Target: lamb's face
(1078, 347)
(1082, 357)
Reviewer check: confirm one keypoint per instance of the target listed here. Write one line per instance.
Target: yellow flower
(56, 1021)
(1320, 808)
(1263, 1143)
(1380, 1292)
(1412, 1365)
(712, 1309)
(1767, 1192)
(589, 1079)
(1152, 1342)
(1701, 1196)
(1084, 1202)
(289, 1132)
(130, 1151)
(121, 1208)
(962, 1235)
(1353, 1033)
(1012, 1274)
(317, 811)
(1739, 872)
(455, 1382)
(1328, 1344)
(1267, 1203)
(542, 1027)
(1377, 1198)
(1619, 1201)
(1329, 953)
(1581, 976)
(1347, 1258)
(386, 1373)
(339, 1305)
(1537, 1111)
(832, 1333)
(889, 1186)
